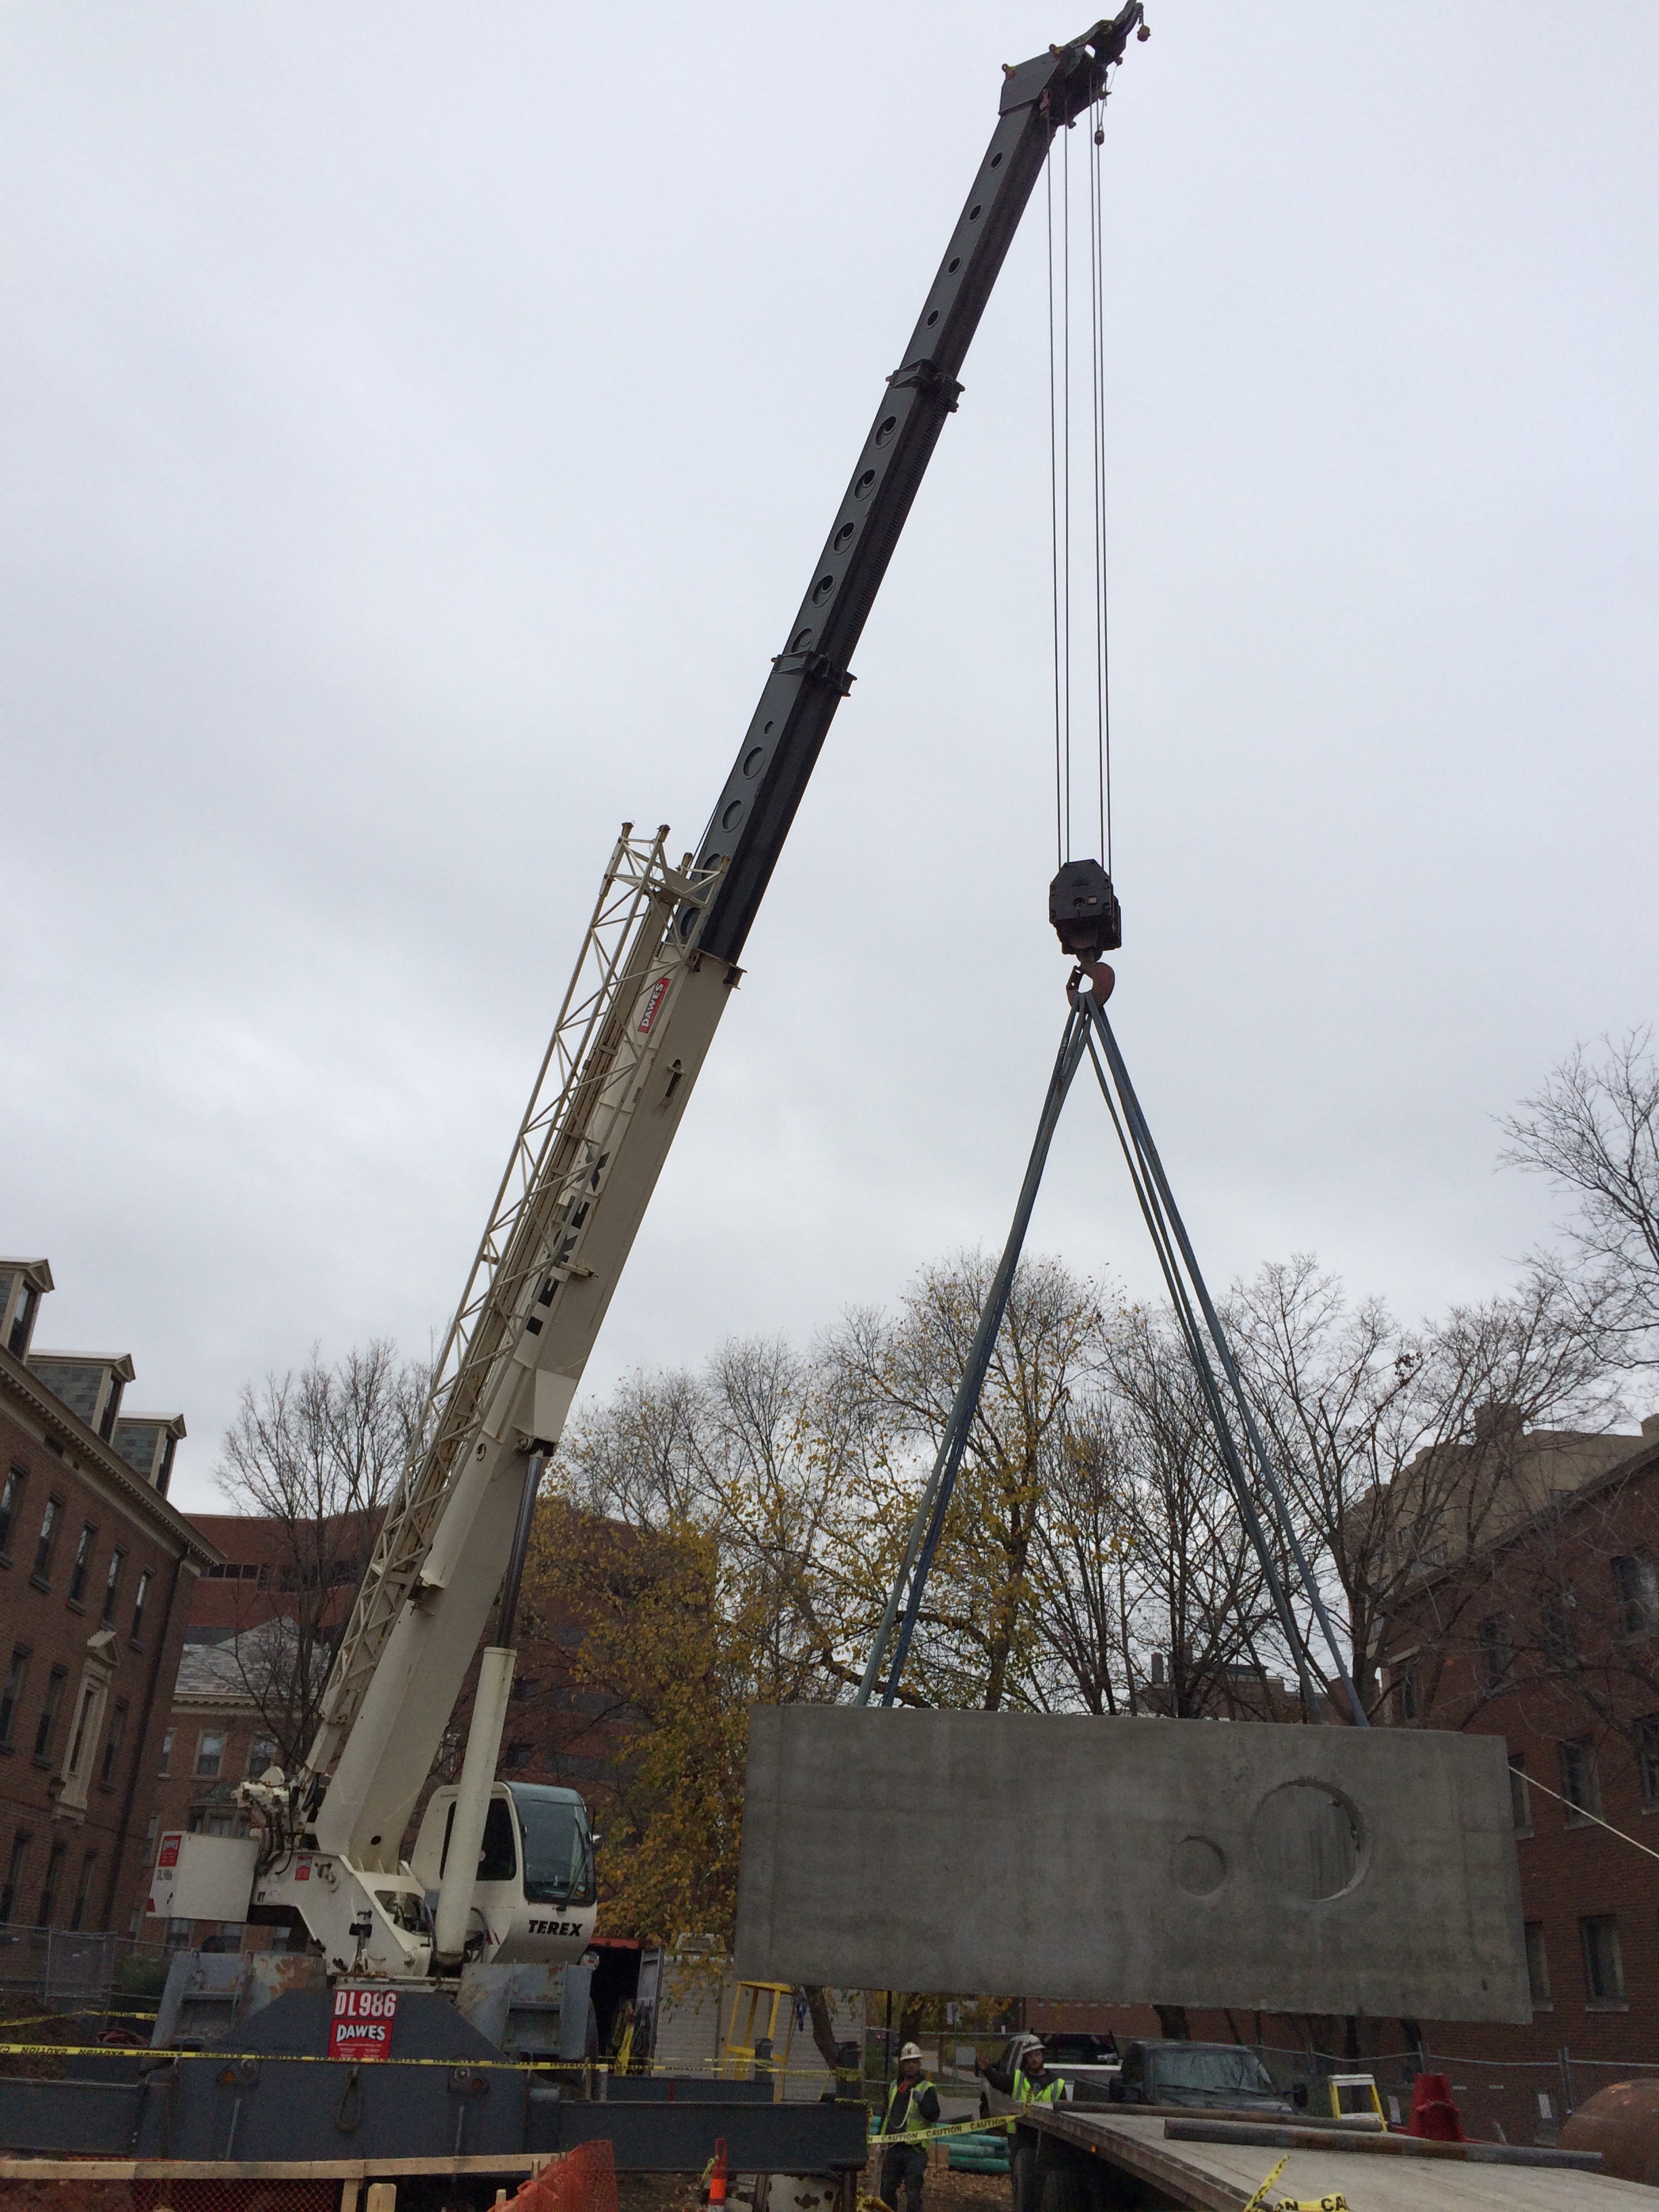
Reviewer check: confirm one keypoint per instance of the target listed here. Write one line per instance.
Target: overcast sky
(419, 422)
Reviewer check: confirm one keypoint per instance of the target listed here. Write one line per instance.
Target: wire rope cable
(1053, 515)
(1071, 510)
(1097, 381)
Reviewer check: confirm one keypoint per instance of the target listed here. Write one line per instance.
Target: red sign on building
(362, 2025)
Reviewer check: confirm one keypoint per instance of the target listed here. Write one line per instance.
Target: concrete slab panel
(1152, 1861)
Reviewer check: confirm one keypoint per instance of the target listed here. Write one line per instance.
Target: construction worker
(1033, 2083)
(912, 2105)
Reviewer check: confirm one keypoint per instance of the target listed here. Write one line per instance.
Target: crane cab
(535, 1902)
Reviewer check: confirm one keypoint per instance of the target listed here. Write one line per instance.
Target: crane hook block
(1084, 909)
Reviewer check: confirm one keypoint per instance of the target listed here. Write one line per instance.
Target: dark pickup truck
(1207, 2075)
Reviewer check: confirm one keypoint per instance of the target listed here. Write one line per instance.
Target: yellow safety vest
(914, 2123)
(1047, 2094)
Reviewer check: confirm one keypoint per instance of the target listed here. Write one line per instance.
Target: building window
(12, 1695)
(210, 1752)
(1604, 1970)
(11, 1498)
(151, 1834)
(78, 1587)
(1581, 1783)
(140, 1602)
(516, 1754)
(14, 1866)
(1496, 1653)
(165, 1767)
(1647, 1759)
(82, 1715)
(1538, 1963)
(84, 1891)
(575, 1765)
(48, 1719)
(1559, 1630)
(118, 1729)
(1638, 1587)
(262, 1755)
(22, 1321)
(178, 1935)
(48, 1537)
(1520, 1795)
(112, 1583)
(48, 1913)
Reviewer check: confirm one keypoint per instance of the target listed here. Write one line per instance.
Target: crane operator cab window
(558, 1851)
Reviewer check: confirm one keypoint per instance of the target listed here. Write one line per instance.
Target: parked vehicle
(1201, 2073)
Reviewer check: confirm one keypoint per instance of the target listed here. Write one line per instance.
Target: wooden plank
(345, 2170)
(1223, 2177)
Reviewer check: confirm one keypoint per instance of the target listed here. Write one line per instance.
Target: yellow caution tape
(1260, 2202)
(223, 2058)
(944, 2128)
(1260, 2199)
(214, 2056)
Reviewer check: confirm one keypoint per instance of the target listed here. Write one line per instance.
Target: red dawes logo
(168, 1854)
(362, 2025)
(653, 1004)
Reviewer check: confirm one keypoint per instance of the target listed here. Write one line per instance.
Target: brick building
(1553, 1645)
(97, 1575)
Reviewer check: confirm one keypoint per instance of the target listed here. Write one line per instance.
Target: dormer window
(147, 1442)
(90, 1384)
(23, 1283)
(112, 1406)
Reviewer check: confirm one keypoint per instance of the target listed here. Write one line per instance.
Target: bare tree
(1594, 1130)
(1197, 1593)
(1407, 1452)
(978, 1640)
(316, 1456)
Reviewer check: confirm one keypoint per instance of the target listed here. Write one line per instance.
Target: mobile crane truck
(494, 1906)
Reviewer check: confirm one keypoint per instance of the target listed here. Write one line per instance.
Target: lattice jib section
(553, 1171)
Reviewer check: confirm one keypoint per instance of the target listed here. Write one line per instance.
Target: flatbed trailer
(1145, 2161)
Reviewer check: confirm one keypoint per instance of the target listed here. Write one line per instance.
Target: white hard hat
(910, 2050)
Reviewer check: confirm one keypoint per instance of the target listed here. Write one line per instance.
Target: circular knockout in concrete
(1198, 1866)
(1308, 1840)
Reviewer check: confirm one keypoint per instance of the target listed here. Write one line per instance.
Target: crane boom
(658, 963)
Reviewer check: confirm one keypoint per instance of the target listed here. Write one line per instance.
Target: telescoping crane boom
(661, 954)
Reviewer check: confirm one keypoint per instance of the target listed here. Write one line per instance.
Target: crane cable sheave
(606, 1028)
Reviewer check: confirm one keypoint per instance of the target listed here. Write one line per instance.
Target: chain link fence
(1509, 2100)
(64, 1972)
